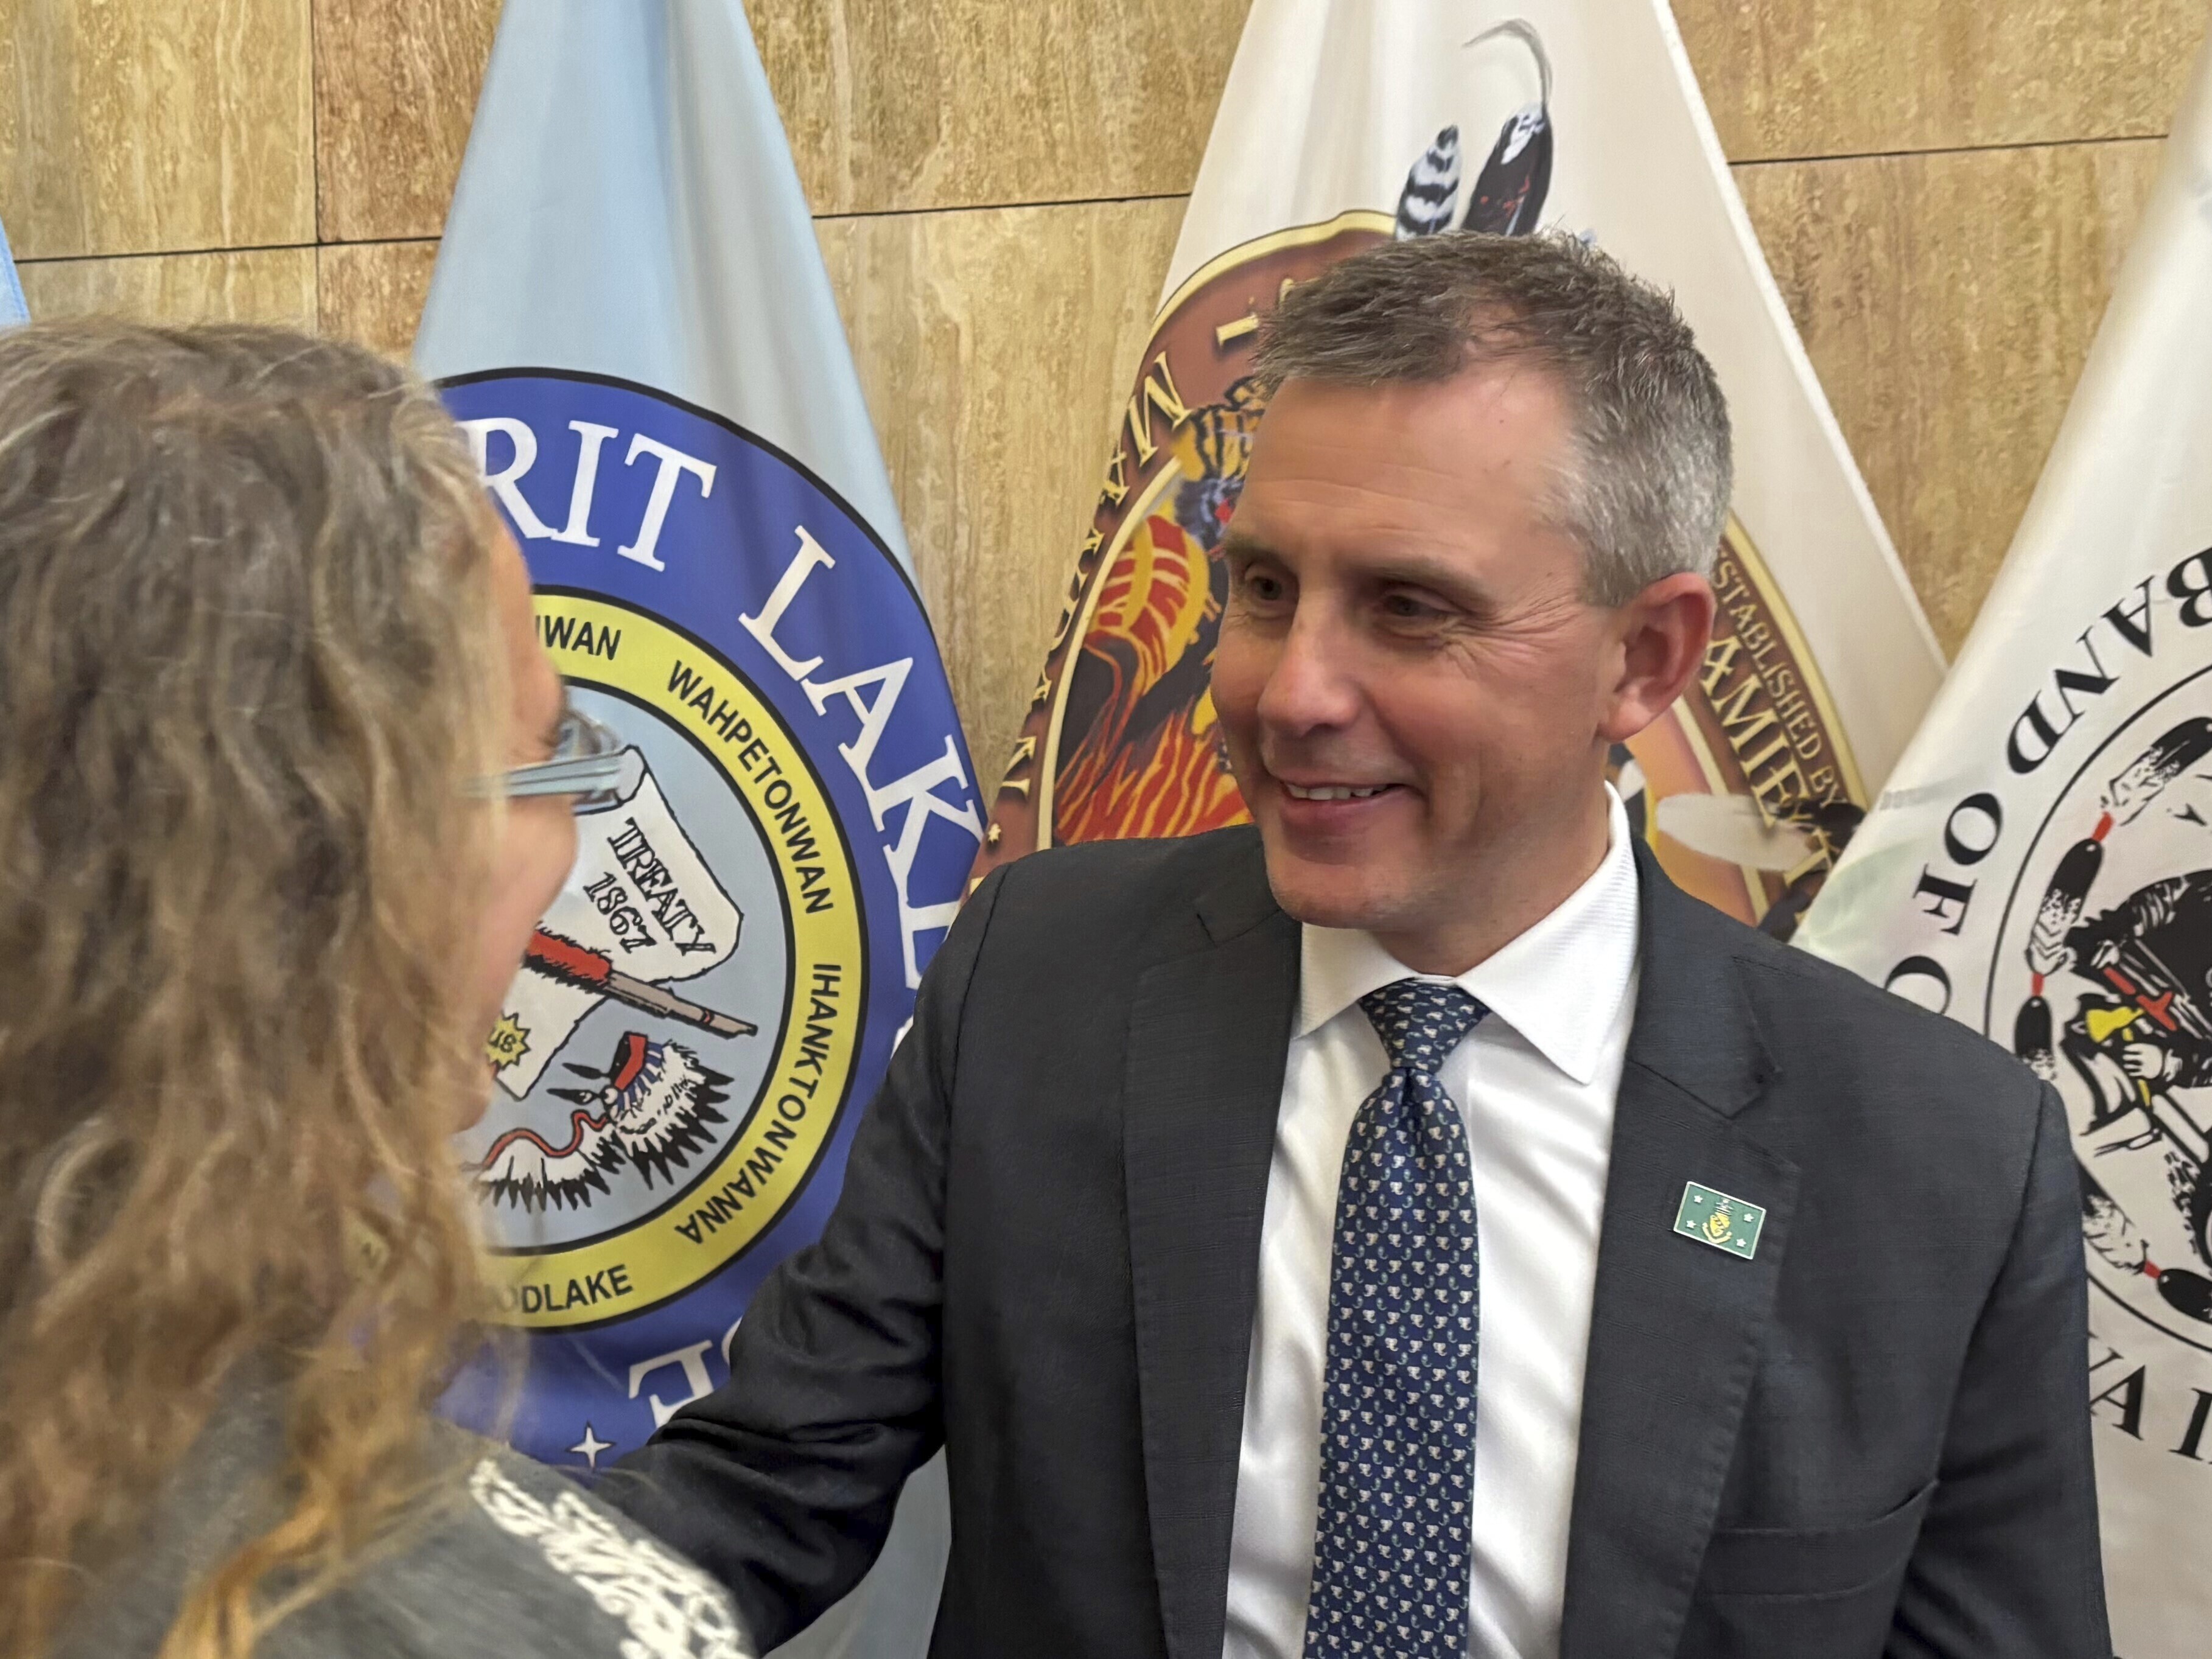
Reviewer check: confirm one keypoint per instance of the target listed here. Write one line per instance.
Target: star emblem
(591, 1446)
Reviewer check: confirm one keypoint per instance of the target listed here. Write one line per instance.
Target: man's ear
(1662, 633)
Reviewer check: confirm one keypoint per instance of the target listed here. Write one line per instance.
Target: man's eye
(1406, 607)
(1260, 585)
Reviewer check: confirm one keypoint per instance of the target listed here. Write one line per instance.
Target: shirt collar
(1558, 984)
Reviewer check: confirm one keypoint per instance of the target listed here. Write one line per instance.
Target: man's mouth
(1332, 791)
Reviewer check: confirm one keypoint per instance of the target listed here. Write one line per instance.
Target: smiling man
(1411, 1226)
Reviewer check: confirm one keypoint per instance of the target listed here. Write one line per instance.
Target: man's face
(1412, 688)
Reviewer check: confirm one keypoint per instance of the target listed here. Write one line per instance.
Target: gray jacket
(516, 1560)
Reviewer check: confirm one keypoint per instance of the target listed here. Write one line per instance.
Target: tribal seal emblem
(2105, 965)
(754, 898)
(655, 1005)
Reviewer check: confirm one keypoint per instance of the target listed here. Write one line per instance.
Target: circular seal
(727, 968)
(2102, 964)
(645, 1130)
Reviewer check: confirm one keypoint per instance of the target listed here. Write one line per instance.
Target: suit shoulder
(1095, 891)
(1813, 1005)
(1947, 1120)
(1885, 1031)
(1182, 866)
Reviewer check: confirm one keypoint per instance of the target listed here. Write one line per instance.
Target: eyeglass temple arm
(562, 777)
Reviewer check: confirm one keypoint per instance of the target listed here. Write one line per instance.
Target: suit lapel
(1209, 1034)
(1676, 1324)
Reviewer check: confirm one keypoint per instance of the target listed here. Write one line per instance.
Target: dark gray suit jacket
(1871, 1438)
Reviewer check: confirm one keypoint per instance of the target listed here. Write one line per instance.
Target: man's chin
(1329, 895)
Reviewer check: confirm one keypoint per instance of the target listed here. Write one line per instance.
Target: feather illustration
(1508, 198)
(2063, 901)
(2176, 750)
(1431, 197)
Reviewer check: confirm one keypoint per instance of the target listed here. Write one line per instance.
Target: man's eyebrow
(1422, 569)
(1238, 545)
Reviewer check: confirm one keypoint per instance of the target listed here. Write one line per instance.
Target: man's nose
(1310, 685)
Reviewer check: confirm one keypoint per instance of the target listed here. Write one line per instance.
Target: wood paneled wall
(1944, 187)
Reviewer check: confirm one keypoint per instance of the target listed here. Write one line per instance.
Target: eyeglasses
(589, 764)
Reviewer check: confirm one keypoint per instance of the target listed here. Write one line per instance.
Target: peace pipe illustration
(571, 963)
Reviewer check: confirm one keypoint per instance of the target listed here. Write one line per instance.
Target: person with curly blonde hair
(276, 823)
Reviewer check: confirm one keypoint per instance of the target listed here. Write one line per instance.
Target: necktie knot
(1421, 1021)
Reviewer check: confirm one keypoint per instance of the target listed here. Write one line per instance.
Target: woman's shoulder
(669, 1607)
(505, 1556)
(521, 1559)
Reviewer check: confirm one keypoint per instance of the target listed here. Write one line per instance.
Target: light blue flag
(631, 318)
(13, 309)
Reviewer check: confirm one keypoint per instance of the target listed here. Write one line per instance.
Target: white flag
(2040, 868)
(1345, 123)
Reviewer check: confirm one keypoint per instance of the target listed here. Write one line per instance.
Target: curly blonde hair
(249, 665)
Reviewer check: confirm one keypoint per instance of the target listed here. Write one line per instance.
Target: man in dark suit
(1412, 1226)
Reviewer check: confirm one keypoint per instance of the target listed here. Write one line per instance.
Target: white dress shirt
(1535, 1084)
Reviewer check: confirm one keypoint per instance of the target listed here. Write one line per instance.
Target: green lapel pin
(1715, 1218)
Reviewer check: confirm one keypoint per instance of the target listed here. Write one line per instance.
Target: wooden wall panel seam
(166, 253)
(1001, 207)
(1947, 150)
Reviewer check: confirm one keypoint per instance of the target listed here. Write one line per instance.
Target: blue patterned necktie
(1397, 1418)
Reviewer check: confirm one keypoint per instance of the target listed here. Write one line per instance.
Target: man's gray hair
(1646, 490)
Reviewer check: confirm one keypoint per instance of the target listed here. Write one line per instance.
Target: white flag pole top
(2040, 869)
(1640, 168)
(627, 206)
